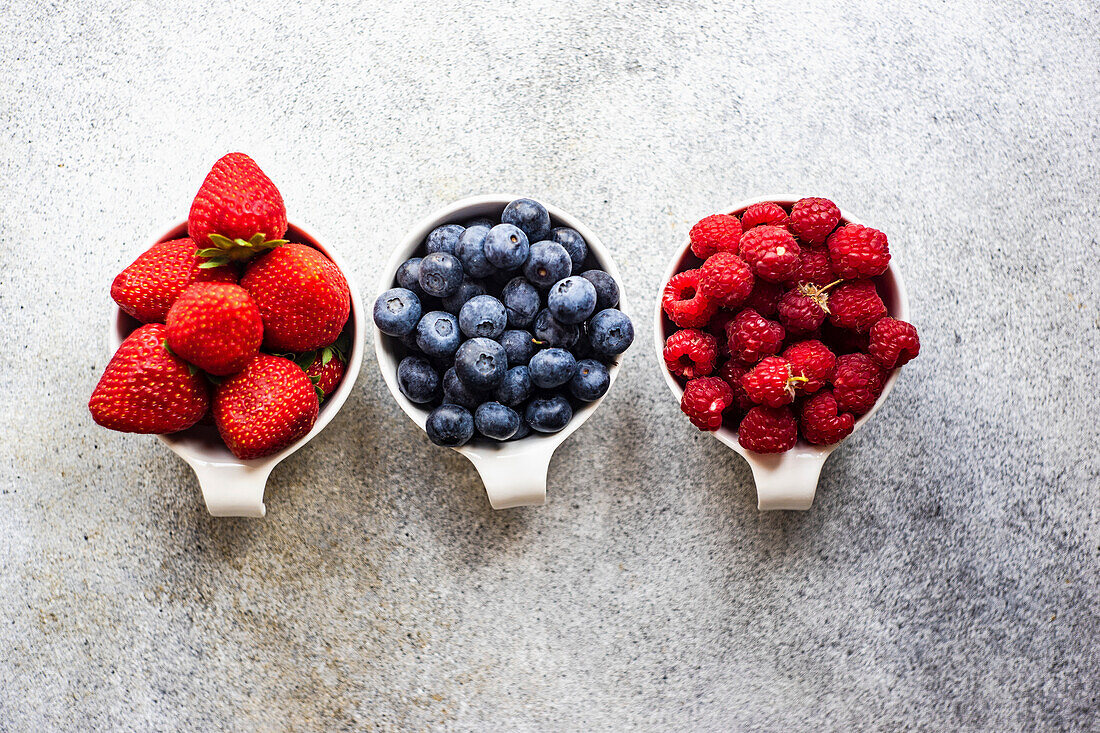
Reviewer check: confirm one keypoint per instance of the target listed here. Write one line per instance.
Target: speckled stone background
(947, 576)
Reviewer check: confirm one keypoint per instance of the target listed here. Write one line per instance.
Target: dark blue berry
(408, 275)
(468, 289)
(611, 332)
(458, 393)
(549, 332)
(518, 345)
(552, 368)
(583, 346)
(607, 290)
(417, 379)
(516, 387)
(506, 247)
(591, 380)
(481, 221)
(440, 274)
(574, 244)
(471, 251)
(548, 415)
(397, 311)
(548, 263)
(522, 301)
(481, 363)
(483, 316)
(571, 300)
(496, 421)
(444, 238)
(450, 426)
(524, 429)
(437, 334)
(530, 216)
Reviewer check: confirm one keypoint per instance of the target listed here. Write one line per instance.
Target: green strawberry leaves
(226, 250)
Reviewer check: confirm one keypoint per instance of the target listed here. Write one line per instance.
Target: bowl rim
(725, 434)
(194, 445)
(468, 208)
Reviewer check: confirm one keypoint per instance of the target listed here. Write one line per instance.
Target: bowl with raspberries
(237, 337)
(499, 329)
(782, 326)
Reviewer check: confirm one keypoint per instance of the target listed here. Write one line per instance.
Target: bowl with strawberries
(782, 326)
(237, 337)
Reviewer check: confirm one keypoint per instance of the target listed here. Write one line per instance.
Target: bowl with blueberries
(499, 329)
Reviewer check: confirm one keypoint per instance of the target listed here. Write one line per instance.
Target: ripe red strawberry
(771, 382)
(265, 407)
(771, 252)
(684, 304)
(856, 305)
(725, 279)
(752, 337)
(766, 214)
(893, 343)
(857, 251)
(813, 360)
(325, 367)
(814, 219)
(237, 212)
(150, 285)
(715, 233)
(303, 297)
(704, 400)
(216, 327)
(822, 422)
(690, 353)
(857, 383)
(768, 430)
(145, 389)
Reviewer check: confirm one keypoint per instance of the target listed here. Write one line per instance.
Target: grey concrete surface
(947, 577)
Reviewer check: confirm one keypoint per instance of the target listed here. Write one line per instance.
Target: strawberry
(303, 297)
(216, 327)
(146, 389)
(148, 287)
(237, 212)
(265, 407)
(325, 367)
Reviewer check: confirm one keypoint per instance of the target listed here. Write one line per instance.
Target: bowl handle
(786, 480)
(513, 480)
(233, 490)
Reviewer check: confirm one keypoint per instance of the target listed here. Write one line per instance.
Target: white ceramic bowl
(232, 487)
(783, 480)
(514, 473)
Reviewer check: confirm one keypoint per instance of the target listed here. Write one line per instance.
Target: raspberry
(857, 383)
(813, 267)
(813, 360)
(768, 430)
(843, 341)
(715, 233)
(732, 372)
(704, 400)
(690, 353)
(856, 305)
(803, 309)
(771, 383)
(767, 213)
(857, 251)
(893, 343)
(684, 304)
(752, 337)
(764, 297)
(813, 219)
(771, 252)
(717, 328)
(822, 422)
(725, 279)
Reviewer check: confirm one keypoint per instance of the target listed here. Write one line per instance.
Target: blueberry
(468, 289)
(506, 247)
(549, 332)
(417, 380)
(481, 363)
(552, 368)
(496, 421)
(457, 393)
(548, 415)
(572, 300)
(516, 387)
(481, 221)
(471, 251)
(397, 311)
(582, 348)
(522, 301)
(444, 238)
(607, 290)
(408, 275)
(548, 263)
(591, 380)
(530, 216)
(483, 316)
(440, 274)
(518, 345)
(409, 340)
(611, 332)
(524, 429)
(437, 334)
(450, 425)
(574, 244)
